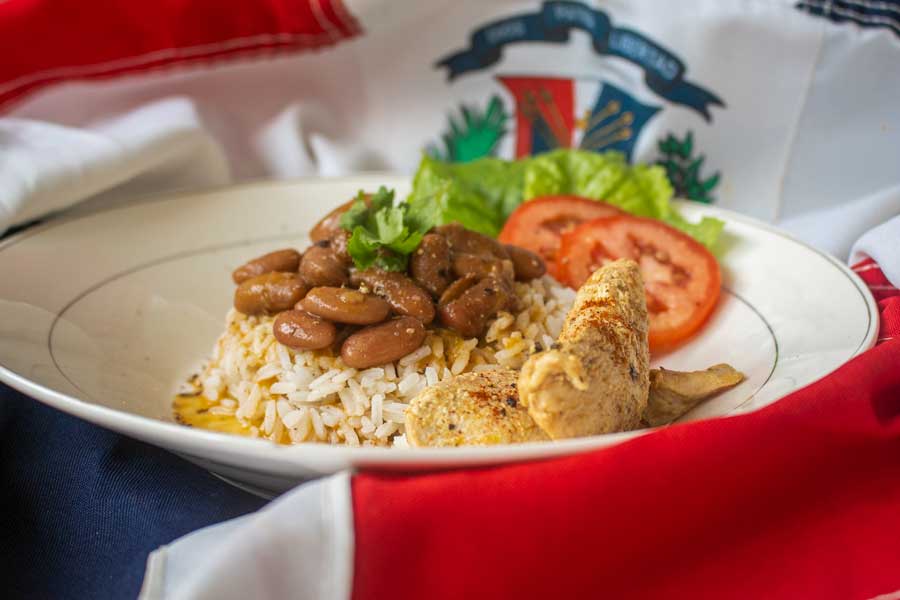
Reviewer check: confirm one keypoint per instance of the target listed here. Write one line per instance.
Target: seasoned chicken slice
(673, 393)
(596, 379)
(471, 409)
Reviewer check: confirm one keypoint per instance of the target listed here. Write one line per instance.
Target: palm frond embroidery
(683, 168)
(473, 133)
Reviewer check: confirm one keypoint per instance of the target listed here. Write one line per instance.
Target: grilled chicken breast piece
(596, 379)
(673, 393)
(471, 409)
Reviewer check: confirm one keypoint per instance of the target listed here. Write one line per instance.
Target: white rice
(294, 397)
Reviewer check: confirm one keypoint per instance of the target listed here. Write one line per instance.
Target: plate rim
(245, 449)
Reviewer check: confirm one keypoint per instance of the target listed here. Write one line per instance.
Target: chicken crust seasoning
(471, 409)
(597, 380)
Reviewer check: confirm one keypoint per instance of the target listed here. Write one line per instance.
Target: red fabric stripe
(885, 293)
(864, 263)
(873, 276)
(890, 320)
(49, 41)
(881, 296)
(338, 13)
(798, 500)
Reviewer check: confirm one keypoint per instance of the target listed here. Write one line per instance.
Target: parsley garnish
(384, 235)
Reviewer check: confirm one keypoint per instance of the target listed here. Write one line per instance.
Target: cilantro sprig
(384, 234)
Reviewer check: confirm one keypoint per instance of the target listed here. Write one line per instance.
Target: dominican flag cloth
(782, 110)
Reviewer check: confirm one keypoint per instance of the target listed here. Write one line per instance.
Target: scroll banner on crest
(663, 71)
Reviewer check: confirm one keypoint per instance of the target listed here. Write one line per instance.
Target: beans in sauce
(429, 265)
(303, 331)
(470, 274)
(469, 313)
(329, 223)
(471, 242)
(465, 264)
(338, 243)
(404, 296)
(380, 344)
(345, 305)
(526, 264)
(286, 261)
(457, 288)
(269, 293)
(320, 266)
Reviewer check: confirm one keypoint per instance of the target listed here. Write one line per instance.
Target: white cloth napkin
(299, 546)
(883, 245)
(835, 230)
(45, 168)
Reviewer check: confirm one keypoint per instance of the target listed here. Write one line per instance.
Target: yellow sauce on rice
(193, 410)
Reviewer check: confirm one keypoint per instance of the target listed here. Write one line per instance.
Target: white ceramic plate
(103, 315)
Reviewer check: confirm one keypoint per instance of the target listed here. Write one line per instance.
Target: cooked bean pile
(457, 276)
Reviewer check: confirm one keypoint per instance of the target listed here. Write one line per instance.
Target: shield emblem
(589, 114)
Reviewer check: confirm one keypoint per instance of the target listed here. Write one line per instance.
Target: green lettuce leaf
(707, 231)
(642, 190)
(481, 194)
(587, 174)
(478, 194)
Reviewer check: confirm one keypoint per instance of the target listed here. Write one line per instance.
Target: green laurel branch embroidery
(683, 168)
(473, 133)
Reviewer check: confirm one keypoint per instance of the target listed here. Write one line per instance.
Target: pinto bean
(429, 265)
(465, 264)
(404, 296)
(299, 329)
(343, 332)
(269, 293)
(338, 242)
(470, 311)
(344, 305)
(329, 223)
(381, 344)
(457, 288)
(526, 263)
(471, 242)
(332, 221)
(321, 267)
(286, 261)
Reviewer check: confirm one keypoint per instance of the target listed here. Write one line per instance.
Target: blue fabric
(83, 507)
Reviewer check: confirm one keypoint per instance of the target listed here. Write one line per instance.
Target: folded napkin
(45, 167)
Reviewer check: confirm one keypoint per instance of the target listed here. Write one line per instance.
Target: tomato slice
(681, 277)
(538, 224)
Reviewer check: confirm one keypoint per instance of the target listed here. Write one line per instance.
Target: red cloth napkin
(109, 38)
(798, 500)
